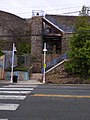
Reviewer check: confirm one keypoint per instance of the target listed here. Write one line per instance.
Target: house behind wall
(44, 30)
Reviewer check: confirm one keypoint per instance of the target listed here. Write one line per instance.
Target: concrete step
(36, 76)
(29, 82)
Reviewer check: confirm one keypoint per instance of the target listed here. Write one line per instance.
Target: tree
(1, 53)
(24, 48)
(82, 21)
(85, 11)
(79, 54)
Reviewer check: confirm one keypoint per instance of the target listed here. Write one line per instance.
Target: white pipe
(12, 63)
(44, 61)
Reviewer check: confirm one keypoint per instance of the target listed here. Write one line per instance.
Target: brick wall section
(58, 75)
(10, 27)
(65, 42)
(36, 46)
(36, 43)
(36, 36)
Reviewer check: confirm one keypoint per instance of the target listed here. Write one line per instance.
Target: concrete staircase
(54, 69)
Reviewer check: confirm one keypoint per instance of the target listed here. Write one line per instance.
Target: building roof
(66, 23)
(54, 25)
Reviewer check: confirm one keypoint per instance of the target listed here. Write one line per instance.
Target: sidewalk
(21, 82)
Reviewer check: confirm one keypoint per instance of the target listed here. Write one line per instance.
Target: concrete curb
(21, 82)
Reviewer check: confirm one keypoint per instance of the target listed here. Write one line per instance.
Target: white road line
(26, 86)
(16, 92)
(8, 106)
(12, 97)
(3, 119)
(16, 88)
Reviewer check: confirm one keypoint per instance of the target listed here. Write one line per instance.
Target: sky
(23, 8)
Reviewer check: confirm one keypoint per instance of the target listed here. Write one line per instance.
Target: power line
(52, 10)
(42, 5)
(46, 6)
(62, 8)
(58, 9)
(71, 12)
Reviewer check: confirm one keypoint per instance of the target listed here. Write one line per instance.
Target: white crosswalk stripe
(12, 97)
(16, 88)
(14, 93)
(3, 119)
(4, 106)
(24, 86)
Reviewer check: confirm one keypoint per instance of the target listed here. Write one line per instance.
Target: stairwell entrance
(53, 44)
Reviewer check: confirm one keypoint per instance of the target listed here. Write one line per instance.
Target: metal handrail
(55, 62)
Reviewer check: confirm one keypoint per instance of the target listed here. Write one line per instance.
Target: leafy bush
(79, 54)
(1, 53)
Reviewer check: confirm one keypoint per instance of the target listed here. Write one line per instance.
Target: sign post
(14, 49)
(44, 65)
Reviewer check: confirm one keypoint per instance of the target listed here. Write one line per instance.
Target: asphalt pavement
(48, 102)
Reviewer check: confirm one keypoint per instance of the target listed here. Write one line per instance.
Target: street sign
(44, 65)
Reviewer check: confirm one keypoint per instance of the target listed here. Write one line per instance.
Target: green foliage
(1, 53)
(20, 68)
(24, 48)
(82, 21)
(79, 54)
(80, 37)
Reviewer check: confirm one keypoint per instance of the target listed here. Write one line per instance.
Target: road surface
(45, 102)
